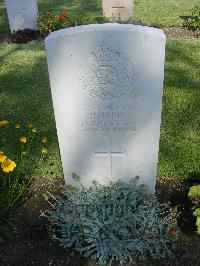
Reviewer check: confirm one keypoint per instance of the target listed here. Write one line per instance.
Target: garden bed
(30, 244)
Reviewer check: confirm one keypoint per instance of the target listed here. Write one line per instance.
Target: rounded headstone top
(106, 27)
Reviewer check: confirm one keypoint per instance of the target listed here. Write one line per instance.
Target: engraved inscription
(107, 74)
(112, 118)
(22, 9)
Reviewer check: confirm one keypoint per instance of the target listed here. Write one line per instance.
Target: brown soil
(179, 33)
(30, 244)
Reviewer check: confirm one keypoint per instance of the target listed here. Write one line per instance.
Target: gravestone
(106, 83)
(118, 10)
(22, 14)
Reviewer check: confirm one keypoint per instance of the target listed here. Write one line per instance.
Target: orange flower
(170, 232)
(23, 139)
(61, 17)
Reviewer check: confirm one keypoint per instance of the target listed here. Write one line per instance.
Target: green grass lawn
(159, 12)
(163, 12)
(25, 98)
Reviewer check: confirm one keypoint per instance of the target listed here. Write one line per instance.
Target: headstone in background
(22, 14)
(107, 83)
(118, 10)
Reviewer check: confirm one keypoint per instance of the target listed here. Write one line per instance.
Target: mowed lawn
(151, 12)
(25, 98)
(163, 12)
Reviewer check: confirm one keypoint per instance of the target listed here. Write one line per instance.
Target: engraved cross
(118, 5)
(110, 155)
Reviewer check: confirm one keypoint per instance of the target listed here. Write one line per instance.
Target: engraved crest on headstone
(107, 74)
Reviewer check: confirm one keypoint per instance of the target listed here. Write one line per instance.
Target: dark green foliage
(24, 36)
(117, 222)
(194, 22)
(194, 195)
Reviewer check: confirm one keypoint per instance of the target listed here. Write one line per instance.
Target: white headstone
(22, 14)
(118, 10)
(107, 82)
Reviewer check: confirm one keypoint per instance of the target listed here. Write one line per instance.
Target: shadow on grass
(185, 18)
(179, 150)
(179, 142)
(25, 98)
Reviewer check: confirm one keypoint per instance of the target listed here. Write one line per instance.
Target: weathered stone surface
(22, 14)
(107, 83)
(118, 10)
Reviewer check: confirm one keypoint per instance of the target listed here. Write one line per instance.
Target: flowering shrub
(13, 174)
(117, 222)
(52, 21)
(49, 21)
(194, 195)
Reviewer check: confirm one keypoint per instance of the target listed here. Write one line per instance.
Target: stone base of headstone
(118, 10)
(22, 14)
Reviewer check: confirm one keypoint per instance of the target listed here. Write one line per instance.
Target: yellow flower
(23, 153)
(4, 123)
(8, 166)
(30, 125)
(23, 139)
(17, 126)
(34, 130)
(44, 150)
(2, 157)
(44, 140)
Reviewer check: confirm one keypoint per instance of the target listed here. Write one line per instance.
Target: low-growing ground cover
(31, 244)
(25, 98)
(152, 12)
